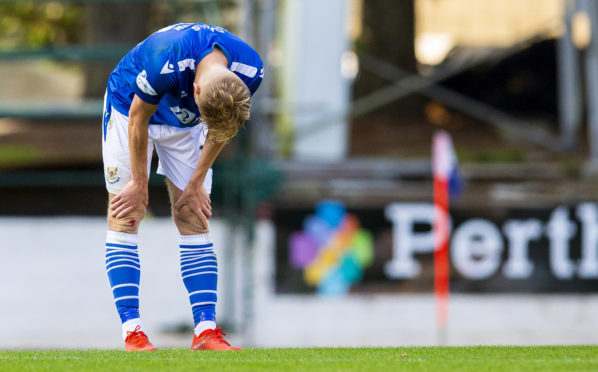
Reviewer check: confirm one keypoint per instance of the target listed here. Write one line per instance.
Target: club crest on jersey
(112, 175)
(143, 84)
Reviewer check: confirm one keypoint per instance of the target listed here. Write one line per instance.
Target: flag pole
(441, 258)
(444, 160)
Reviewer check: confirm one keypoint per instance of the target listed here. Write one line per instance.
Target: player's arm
(195, 195)
(139, 116)
(135, 192)
(208, 155)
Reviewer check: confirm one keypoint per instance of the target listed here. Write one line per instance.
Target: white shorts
(178, 151)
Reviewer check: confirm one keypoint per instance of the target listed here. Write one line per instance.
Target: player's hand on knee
(196, 199)
(133, 196)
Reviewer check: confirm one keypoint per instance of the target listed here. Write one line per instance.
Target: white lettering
(243, 69)
(182, 26)
(208, 27)
(176, 26)
(588, 215)
(519, 234)
(559, 230)
(164, 29)
(477, 245)
(186, 63)
(476, 249)
(405, 241)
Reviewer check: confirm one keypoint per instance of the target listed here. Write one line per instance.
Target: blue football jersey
(161, 69)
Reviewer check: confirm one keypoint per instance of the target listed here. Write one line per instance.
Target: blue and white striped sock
(122, 266)
(199, 269)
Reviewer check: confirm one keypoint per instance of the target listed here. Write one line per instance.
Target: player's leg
(179, 154)
(199, 270)
(122, 258)
(199, 265)
(123, 267)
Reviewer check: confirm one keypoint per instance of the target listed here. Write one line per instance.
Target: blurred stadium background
(323, 203)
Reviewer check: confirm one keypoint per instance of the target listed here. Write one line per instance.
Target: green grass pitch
(478, 358)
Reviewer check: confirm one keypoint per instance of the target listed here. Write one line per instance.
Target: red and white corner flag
(446, 183)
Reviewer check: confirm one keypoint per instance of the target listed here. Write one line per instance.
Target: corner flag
(446, 183)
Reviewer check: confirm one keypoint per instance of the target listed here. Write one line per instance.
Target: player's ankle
(131, 325)
(204, 325)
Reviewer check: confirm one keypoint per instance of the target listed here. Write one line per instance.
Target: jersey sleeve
(154, 80)
(255, 83)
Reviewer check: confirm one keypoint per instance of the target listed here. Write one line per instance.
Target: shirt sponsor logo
(167, 68)
(186, 63)
(185, 116)
(143, 84)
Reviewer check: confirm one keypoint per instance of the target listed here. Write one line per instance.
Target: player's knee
(188, 222)
(128, 223)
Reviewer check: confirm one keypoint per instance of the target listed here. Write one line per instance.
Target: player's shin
(123, 268)
(199, 269)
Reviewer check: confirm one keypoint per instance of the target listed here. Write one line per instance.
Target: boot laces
(136, 337)
(216, 335)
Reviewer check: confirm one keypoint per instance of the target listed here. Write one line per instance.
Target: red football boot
(138, 341)
(211, 339)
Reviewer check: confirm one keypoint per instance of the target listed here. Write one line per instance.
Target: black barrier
(545, 250)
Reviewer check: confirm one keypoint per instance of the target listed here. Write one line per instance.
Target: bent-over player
(186, 91)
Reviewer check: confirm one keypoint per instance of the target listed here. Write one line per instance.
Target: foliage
(39, 24)
(18, 155)
(491, 155)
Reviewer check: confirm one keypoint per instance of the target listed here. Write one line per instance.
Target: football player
(185, 91)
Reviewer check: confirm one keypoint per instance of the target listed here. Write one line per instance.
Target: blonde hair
(224, 105)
